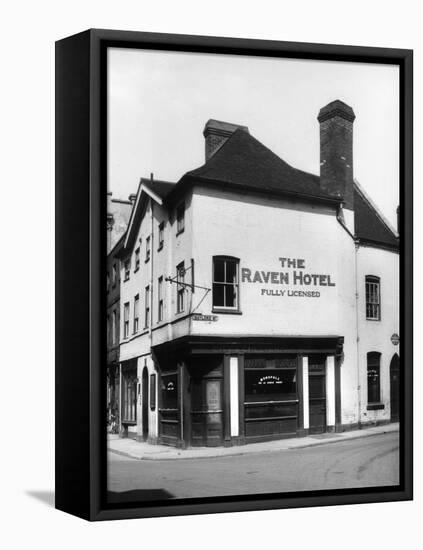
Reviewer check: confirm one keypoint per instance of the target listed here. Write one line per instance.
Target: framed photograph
(234, 274)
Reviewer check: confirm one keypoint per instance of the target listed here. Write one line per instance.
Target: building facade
(258, 301)
(118, 213)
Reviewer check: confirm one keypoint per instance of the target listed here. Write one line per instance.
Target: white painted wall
(376, 335)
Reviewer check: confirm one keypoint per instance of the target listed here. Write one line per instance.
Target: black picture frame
(80, 260)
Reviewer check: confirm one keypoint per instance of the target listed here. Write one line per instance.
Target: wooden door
(206, 409)
(317, 402)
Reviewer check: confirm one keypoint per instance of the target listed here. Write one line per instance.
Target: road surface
(363, 462)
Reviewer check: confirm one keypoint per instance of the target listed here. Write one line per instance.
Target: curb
(255, 451)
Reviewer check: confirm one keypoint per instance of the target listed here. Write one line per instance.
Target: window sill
(180, 231)
(160, 247)
(136, 269)
(146, 260)
(227, 311)
(369, 319)
(126, 279)
(375, 406)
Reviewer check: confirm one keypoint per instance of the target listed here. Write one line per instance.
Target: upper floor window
(161, 235)
(108, 281)
(372, 298)
(147, 248)
(136, 312)
(115, 328)
(147, 307)
(137, 259)
(114, 274)
(127, 268)
(225, 283)
(160, 298)
(180, 218)
(126, 320)
(180, 287)
(373, 377)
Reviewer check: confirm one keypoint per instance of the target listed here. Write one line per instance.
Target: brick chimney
(336, 150)
(217, 133)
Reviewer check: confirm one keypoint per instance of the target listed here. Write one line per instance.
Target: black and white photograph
(253, 288)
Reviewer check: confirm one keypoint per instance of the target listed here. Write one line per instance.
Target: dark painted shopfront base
(194, 389)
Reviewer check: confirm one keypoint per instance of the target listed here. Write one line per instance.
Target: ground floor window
(373, 377)
(170, 391)
(129, 396)
(169, 407)
(271, 400)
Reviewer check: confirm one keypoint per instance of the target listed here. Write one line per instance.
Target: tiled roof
(369, 225)
(159, 187)
(244, 162)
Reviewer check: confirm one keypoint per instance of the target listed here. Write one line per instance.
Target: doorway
(394, 375)
(144, 401)
(206, 403)
(317, 394)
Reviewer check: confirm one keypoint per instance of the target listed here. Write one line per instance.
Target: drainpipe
(357, 334)
(150, 324)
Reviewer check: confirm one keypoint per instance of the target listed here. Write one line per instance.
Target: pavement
(145, 451)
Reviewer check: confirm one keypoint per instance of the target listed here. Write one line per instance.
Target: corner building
(258, 301)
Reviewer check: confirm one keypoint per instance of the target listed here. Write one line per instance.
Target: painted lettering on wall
(295, 273)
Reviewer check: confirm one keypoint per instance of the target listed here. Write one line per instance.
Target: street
(363, 462)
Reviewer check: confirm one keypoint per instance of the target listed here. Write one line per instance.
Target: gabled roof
(159, 187)
(370, 226)
(245, 163)
(158, 191)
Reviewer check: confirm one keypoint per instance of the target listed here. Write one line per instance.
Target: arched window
(373, 377)
(225, 283)
(372, 298)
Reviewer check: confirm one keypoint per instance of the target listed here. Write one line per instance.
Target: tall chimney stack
(336, 151)
(217, 133)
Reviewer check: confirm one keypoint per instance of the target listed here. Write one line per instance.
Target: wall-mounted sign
(201, 317)
(295, 274)
(395, 339)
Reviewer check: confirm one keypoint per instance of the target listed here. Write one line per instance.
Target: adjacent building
(257, 301)
(118, 213)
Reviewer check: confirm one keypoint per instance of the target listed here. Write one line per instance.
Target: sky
(159, 102)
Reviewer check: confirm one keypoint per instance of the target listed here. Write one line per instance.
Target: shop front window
(129, 396)
(373, 377)
(170, 391)
(274, 385)
(271, 391)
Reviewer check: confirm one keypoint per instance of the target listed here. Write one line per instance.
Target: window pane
(170, 391)
(219, 271)
(218, 295)
(230, 295)
(270, 385)
(231, 272)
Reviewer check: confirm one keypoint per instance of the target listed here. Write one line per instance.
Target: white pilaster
(233, 393)
(305, 394)
(330, 390)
